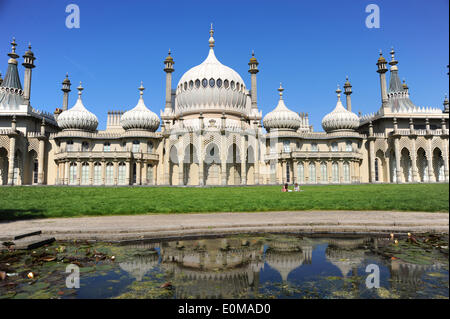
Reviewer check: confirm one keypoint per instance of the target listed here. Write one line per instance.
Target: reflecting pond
(238, 266)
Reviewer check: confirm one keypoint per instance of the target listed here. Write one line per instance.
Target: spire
(395, 84)
(280, 89)
(393, 62)
(168, 63)
(141, 90)
(338, 91)
(211, 39)
(347, 87)
(80, 91)
(12, 79)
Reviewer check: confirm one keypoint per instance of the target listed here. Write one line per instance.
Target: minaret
(348, 92)
(446, 110)
(12, 79)
(253, 70)
(168, 68)
(66, 89)
(382, 69)
(405, 87)
(28, 63)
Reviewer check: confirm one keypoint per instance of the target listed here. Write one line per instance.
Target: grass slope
(38, 202)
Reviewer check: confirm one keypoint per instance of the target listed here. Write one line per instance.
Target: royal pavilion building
(211, 132)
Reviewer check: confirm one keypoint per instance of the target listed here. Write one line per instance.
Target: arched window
(73, 173)
(312, 172)
(136, 145)
(109, 177)
(204, 83)
(232, 85)
(122, 172)
(69, 146)
(97, 173)
(301, 172)
(219, 83)
(376, 170)
(85, 173)
(286, 146)
(35, 171)
(185, 86)
(212, 82)
(191, 84)
(107, 147)
(334, 147)
(346, 168)
(335, 172)
(348, 146)
(197, 83)
(314, 147)
(323, 172)
(237, 86)
(226, 84)
(150, 147)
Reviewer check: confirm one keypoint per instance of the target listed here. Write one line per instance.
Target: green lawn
(38, 202)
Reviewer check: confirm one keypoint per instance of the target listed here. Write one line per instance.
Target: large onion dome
(78, 117)
(140, 117)
(340, 118)
(281, 117)
(211, 86)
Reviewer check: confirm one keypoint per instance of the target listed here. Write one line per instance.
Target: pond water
(238, 266)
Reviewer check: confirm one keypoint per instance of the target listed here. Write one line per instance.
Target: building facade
(211, 132)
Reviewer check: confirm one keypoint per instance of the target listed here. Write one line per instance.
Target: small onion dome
(66, 79)
(140, 117)
(253, 59)
(169, 58)
(340, 118)
(281, 117)
(78, 117)
(29, 53)
(381, 58)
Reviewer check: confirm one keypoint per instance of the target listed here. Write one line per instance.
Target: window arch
(197, 83)
(232, 85)
(334, 147)
(73, 173)
(109, 176)
(212, 83)
(226, 84)
(323, 172)
(136, 146)
(346, 168)
(85, 173)
(107, 147)
(69, 146)
(312, 172)
(335, 172)
(219, 83)
(97, 173)
(301, 172)
(348, 146)
(204, 83)
(122, 172)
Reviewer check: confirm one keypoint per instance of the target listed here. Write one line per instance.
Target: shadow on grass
(10, 215)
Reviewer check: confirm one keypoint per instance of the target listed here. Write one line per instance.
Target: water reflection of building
(286, 255)
(406, 274)
(346, 254)
(140, 265)
(213, 268)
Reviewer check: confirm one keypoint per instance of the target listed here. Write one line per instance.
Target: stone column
(78, 172)
(283, 172)
(138, 172)
(127, 172)
(103, 173)
(415, 173)
(432, 177)
(445, 158)
(41, 160)
(201, 159)
(295, 171)
(66, 172)
(12, 153)
(372, 159)
(91, 172)
(341, 171)
(397, 160)
(166, 165)
(116, 172)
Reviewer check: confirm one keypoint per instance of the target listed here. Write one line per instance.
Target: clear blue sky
(310, 46)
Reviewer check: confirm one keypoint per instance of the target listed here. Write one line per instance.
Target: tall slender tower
(253, 70)
(382, 69)
(168, 68)
(348, 92)
(28, 63)
(66, 89)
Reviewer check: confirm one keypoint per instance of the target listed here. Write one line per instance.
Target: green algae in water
(242, 266)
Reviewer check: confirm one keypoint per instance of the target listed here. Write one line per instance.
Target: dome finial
(141, 89)
(80, 90)
(211, 39)
(280, 89)
(338, 91)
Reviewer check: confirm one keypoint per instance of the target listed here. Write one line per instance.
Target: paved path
(172, 225)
